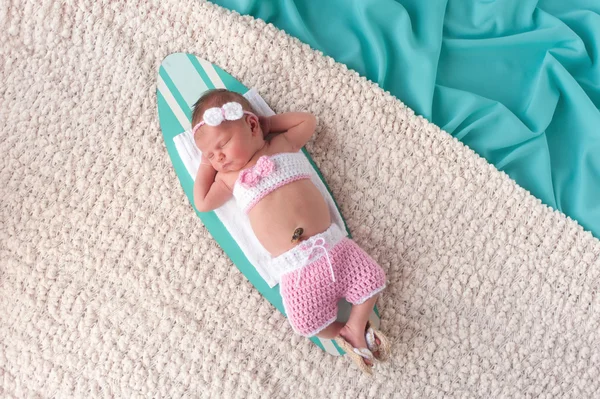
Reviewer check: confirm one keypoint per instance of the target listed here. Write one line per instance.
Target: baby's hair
(216, 98)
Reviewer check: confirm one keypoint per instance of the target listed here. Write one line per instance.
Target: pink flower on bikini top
(251, 176)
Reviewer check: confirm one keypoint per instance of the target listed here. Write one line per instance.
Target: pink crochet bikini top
(269, 173)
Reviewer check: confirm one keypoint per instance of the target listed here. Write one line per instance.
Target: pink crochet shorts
(310, 294)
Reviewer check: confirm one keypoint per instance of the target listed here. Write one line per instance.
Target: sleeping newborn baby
(316, 264)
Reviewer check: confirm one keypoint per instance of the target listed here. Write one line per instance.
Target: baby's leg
(359, 314)
(365, 280)
(354, 330)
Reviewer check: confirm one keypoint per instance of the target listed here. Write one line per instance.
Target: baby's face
(230, 145)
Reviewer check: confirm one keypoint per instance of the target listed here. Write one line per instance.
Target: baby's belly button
(282, 237)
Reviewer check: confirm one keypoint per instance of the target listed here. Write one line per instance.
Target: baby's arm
(210, 192)
(298, 127)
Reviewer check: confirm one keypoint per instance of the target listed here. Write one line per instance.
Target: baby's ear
(253, 123)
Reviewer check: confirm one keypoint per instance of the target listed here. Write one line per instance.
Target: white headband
(231, 111)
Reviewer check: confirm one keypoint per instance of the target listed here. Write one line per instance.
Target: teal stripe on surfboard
(196, 64)
(182, 78)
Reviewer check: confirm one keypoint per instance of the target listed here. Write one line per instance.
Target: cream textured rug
(111, 286)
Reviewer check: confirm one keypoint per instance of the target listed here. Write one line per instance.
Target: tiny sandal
(371, 336)
(357, 354)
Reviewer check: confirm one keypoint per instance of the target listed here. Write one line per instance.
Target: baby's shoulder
(228, 178)
(279, 144)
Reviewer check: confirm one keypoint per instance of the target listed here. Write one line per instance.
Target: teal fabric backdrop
(518, 81)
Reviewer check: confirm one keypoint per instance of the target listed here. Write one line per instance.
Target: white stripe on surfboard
(212, 74)
(185, 77)
(175, 108)
(329, 347)
(192, 161)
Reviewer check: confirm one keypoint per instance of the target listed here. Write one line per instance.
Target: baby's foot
(356, 338)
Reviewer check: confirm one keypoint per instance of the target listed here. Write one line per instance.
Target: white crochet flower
(231, 111)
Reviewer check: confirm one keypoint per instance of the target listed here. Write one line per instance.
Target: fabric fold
(538, 60)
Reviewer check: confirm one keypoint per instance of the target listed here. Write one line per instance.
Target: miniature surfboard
(182, 78)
